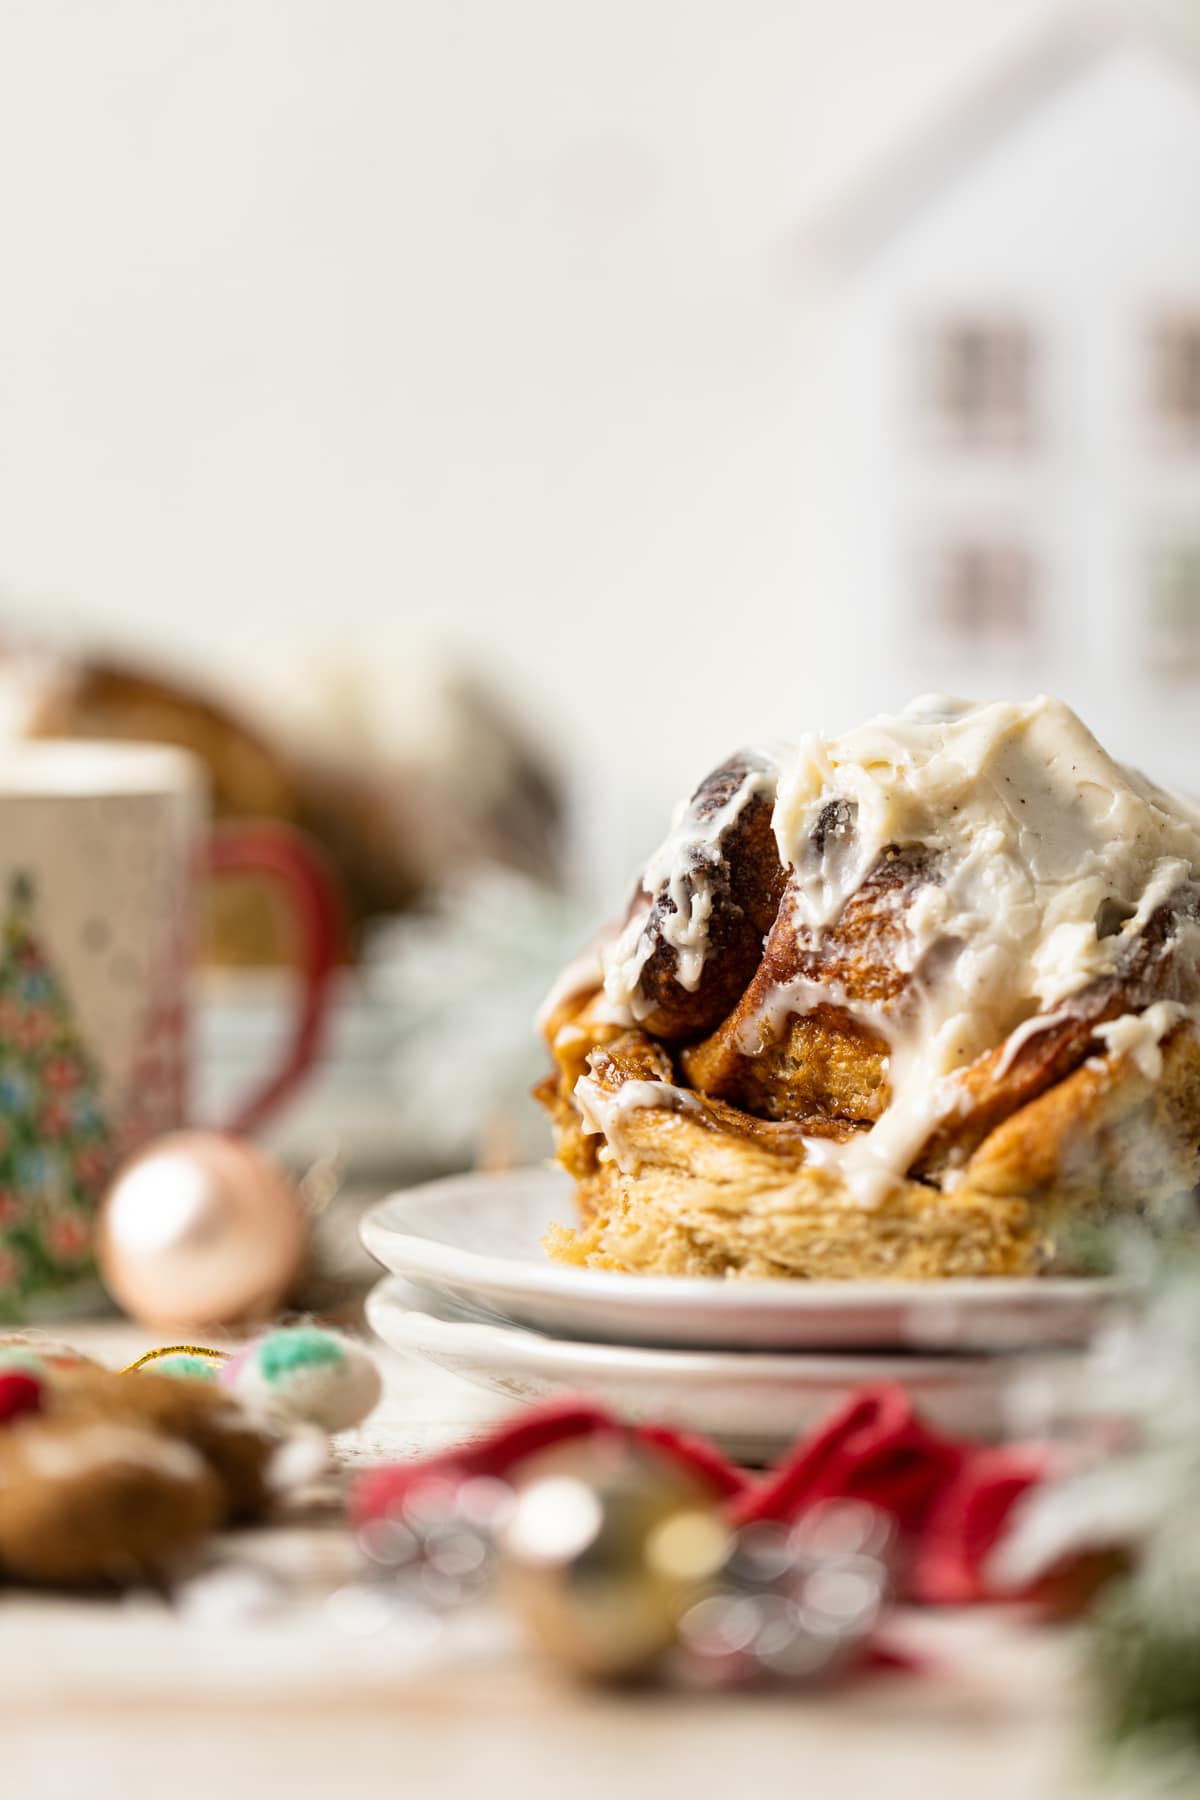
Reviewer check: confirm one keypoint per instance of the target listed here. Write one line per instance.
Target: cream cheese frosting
(606, 1114)
(1140, 1035)
(684, 865)
(1046, 858)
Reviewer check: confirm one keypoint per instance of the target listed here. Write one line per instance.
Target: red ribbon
(951, 1499)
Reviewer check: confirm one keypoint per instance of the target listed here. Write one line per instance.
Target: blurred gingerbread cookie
(88, 1502)
(237, 1448)
(107, 1479)
(112, 1477)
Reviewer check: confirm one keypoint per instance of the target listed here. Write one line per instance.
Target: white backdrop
(335, 330)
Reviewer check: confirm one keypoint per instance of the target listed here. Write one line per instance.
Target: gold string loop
(174, 1350)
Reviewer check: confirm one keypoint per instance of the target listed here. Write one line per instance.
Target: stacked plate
(751, 1364)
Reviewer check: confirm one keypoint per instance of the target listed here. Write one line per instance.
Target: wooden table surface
(139, 1699)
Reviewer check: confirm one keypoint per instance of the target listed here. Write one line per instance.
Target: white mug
(101, 849)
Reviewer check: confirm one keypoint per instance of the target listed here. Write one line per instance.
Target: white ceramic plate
(753, 1404)
(476, 1240)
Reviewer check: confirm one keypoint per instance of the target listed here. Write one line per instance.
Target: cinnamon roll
(902, 1003)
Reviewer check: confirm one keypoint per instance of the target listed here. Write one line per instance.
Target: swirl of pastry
(896, 1003)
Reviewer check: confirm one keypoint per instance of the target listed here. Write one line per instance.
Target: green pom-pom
(301, 1347)
(187, 1368)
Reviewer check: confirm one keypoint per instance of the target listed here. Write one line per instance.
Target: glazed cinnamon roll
(902, 1003)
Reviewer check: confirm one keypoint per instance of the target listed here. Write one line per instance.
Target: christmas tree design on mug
(55, 1143)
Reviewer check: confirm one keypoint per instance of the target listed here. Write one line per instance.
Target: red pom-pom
(20, 1393)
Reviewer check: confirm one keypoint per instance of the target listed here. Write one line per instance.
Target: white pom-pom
(309, 1375)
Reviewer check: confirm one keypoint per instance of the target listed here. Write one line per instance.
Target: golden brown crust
(1109, 1137)
(825, 1067)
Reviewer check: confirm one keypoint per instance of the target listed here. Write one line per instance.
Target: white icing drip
(860, 1181)
(788, 999)
(1140, 1035)
(605, 1111)
(684, 864)
(1032, 825)
(823, 1153)
(1018, 1039)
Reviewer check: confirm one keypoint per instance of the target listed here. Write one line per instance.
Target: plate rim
(775, 1366)
(436, 1260)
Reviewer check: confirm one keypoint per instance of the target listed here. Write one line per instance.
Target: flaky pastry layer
(712, 1191)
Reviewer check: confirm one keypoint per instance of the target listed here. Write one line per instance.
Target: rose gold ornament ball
(200, 1229)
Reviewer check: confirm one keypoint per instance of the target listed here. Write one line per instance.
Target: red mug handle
(291, 861)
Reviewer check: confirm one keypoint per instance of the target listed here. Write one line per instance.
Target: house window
(1175, 379)
(979, 384)
(1174, 633)
(983, 597)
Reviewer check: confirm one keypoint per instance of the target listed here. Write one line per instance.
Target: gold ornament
(605, 1550)
(200, 1229)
